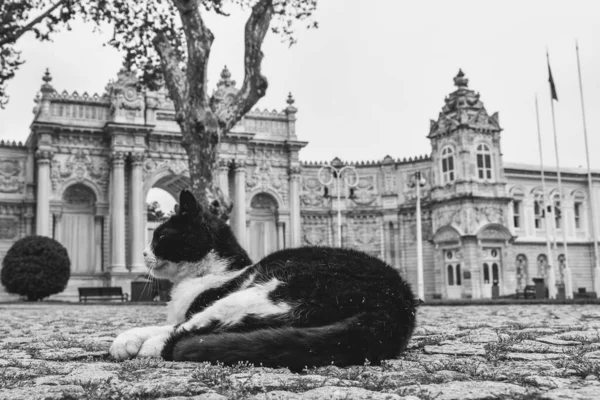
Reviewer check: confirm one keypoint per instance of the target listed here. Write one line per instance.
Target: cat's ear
(188, 204)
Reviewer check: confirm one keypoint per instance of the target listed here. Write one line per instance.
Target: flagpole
(596, 270)
(551, 276)
(566, 270)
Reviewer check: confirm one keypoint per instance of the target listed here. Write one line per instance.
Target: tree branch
(199, 42)
(255, 84)
(174, 76)
(13, 38)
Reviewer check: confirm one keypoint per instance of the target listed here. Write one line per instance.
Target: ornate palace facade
(84, 173)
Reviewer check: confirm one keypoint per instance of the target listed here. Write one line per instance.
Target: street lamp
(327, 174)
(418, 182)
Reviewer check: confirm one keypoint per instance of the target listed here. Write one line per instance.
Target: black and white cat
(296, 308)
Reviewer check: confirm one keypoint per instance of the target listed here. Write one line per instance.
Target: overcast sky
(369, 79)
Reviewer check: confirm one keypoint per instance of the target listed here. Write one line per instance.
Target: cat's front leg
(132, 343)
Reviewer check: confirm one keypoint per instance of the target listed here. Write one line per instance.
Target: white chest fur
(185, 292)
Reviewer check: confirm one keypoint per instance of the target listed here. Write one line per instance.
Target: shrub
(36, 267)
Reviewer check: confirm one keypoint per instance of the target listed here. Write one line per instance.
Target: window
(484, 162)
(517, 213)
(578, 210)
(458, 277)
(447, 165)
(538, 214)
(495, 274)
(557, 213)
(450, 275)
(486, 273)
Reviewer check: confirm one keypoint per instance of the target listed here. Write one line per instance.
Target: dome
(463, 109)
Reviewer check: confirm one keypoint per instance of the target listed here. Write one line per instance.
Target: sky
(367, 82)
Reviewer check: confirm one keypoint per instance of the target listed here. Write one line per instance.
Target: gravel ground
(59, 351)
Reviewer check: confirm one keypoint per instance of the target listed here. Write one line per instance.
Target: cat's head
(190, 243)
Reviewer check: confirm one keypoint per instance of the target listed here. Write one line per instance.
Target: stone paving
(59, 351)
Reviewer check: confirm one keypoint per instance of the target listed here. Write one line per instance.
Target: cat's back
(331, 266)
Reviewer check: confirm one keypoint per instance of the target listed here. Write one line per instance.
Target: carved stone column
(239, 203)
(42, 215)
(395, 238)
(295, 228)
(136, 214)
(224, 176)
(117, 212)
(280, 235)
(58, 235)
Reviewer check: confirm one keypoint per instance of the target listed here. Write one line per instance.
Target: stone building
(85, 170)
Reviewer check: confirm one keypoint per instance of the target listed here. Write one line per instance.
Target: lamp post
(327, 174)
(417, 183)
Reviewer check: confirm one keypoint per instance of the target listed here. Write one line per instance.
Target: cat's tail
(347, 342)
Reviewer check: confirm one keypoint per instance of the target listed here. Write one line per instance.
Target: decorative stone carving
(44, 156)
(9, 228)
(266, 177)
(80, 165)
(79, 195)
(314, 235)
(312, 192)
(124, 93)
(364, 234)
(224, 96)
(178, 167)
(263, 201)
(137, 158)
(366, 191)
(12, 176)
(389, 176)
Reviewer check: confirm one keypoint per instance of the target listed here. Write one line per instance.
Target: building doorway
(79, 230)
(491, 271)
(263, 226)
(452, 268)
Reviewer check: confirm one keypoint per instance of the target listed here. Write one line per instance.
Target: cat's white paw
(127, 344)
(153, 346)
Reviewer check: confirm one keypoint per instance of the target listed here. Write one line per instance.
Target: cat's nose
(145, 253)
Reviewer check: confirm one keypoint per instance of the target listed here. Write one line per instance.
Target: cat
(296, 308)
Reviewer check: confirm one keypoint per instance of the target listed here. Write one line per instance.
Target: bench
(528, 293)
(102, 293)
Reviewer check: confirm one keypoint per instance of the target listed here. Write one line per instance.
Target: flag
(551, 80)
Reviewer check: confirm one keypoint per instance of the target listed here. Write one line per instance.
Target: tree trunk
(200, 139)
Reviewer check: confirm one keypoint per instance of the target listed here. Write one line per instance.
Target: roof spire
(460, 81)
(226, 78)
(47, 78)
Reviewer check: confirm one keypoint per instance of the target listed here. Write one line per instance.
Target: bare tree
(167, 43)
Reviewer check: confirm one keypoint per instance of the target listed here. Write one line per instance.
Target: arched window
(517, 207)
(495, 274)
(458, 281)
(538, 210)
(450, 275)
(556, 209)
(542, 262)
(484, 162)
(447, 165)
(578, 208)
(486, 273)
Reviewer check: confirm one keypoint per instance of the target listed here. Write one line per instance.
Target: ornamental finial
(290, 99)
(226, 78)
(460, 80)
(47, 78)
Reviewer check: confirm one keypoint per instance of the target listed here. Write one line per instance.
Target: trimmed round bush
(36, 267)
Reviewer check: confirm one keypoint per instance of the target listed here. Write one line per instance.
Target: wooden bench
(102, 293)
